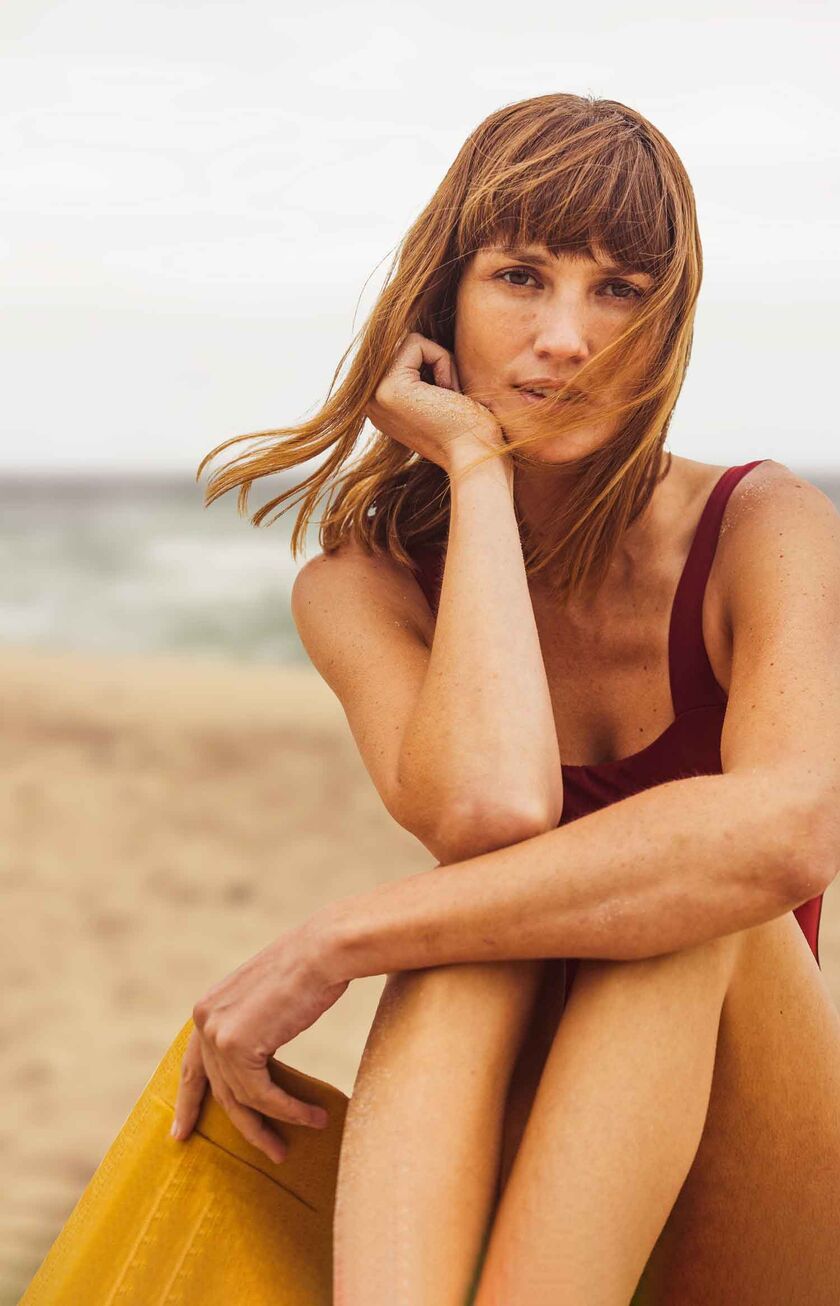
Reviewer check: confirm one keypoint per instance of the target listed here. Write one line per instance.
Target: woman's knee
(462, 1015)
(717, 957)
(490, 992)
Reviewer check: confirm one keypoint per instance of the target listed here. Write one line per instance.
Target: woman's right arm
(453, 718)
(481, 742)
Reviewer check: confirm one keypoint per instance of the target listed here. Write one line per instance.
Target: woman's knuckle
(261, 1100)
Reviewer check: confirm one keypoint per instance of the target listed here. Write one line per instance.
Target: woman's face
(536, 317)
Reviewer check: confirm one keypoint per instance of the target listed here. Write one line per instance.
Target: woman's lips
(530, 396)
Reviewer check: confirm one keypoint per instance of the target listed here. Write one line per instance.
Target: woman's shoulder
(353, 568)
(767, 481)
(772, 512)
(701, 479)
(760, 469)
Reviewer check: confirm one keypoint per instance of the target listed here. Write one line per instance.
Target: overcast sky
(195, 195)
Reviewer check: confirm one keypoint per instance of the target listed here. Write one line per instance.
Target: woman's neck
(540, 496)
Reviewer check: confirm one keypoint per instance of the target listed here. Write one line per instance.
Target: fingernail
(322, 1119)
(175, 1131)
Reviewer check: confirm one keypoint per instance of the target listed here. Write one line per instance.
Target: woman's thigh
(419, 1154)
(755, 1222)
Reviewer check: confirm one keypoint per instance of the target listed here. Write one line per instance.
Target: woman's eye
(517, 272)
(625, 285)
(629, 290)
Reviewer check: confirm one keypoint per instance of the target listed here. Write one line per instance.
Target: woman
(600, 684)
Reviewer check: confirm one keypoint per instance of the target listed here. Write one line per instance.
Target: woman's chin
(550, 452)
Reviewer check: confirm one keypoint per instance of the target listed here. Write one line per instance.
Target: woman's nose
(563, 341)
(562, 333)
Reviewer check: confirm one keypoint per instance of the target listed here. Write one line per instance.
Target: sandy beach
(164, 817)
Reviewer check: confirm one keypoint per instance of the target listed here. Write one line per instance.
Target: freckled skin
(540, 322)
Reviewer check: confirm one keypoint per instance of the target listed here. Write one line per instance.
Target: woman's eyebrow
(532, 255)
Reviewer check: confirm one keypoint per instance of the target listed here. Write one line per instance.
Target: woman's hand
(240, 1023)
(434, 420)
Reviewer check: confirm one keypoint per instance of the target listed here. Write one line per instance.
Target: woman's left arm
(688, 860)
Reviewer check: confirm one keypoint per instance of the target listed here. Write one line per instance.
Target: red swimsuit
(690, 745)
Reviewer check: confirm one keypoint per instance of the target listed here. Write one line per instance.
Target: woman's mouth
(534, 396)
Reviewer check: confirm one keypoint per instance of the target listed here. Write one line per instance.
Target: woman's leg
(419, 1164)
(756, 1220)
(613, 1130)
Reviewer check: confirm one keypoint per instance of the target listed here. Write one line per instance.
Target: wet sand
(163, 819)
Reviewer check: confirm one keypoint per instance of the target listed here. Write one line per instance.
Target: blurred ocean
(136, 565)
(103, 563)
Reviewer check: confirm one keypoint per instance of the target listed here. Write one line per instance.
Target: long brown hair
(572, 173)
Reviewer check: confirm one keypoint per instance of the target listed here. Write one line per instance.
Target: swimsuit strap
(693, 682)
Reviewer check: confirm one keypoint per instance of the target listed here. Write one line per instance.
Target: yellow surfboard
(210, 1221)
